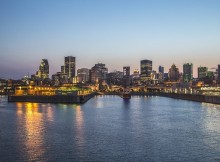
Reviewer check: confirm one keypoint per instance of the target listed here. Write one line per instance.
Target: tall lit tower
(173, 73)
(146, 68)
(202, 72)
(70, 66)
(126, 71)
(43, 71)
(187, 72)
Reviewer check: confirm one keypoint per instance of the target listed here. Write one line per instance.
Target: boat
(126, 94)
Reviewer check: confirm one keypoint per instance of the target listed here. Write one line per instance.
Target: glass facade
(146, 69)
(187, 72)
(70, 66)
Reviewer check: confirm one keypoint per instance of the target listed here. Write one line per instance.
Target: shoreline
(67, 99)
(80, 99)
(189, 97)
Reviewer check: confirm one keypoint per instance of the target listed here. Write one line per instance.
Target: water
(107, 128)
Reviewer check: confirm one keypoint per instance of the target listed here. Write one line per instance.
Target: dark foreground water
(107, 128)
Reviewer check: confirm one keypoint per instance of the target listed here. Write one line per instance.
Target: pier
(193, 97)
(70, 99)
(80, 99)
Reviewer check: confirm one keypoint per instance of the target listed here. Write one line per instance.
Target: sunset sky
(115, 32)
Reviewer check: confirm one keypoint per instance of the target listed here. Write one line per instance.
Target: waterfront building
(210, 74)
(126, 71)
(44, 68)
(161, 74)
(115, 77)
(202, 72)
(187, 72)
(136, 73)
(83, 75)
(173, 74)
(43, 71)
(136, 78)
(153, 75)
(69, 66)
(63, 69)
(161, 70)
(146, 68)
(166, 76)
(56, 78)
(126, 76)
(98, 73)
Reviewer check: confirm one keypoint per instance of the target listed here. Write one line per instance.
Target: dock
(69, 99)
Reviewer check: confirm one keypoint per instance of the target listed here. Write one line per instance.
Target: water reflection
(31, 130)
(79, 123)
(211, 125)
(126, 103)
(141, 129)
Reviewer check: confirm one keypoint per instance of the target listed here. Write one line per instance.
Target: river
(108, 128)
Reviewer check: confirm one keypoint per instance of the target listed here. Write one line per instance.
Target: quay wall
(79, 99)
(71, 99)
(193, 97)
(190, 97)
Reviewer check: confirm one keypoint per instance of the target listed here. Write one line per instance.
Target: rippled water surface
(107, 128)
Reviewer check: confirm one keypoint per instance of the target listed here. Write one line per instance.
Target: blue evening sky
(115, 32)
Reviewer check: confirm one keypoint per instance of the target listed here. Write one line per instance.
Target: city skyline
(117, 33)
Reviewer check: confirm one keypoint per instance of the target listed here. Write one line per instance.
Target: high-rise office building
(70, 66)
(126, 71)
(83, 75)
(43, 71)
(202, 72)
(187, 72)
(98, 72)
(115, 77)
(146, 69)
(161, 73)
(173, 74)
(161, 69)
(63, 69)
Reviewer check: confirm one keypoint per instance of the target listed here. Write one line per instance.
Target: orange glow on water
(79, 127)
(33, 128)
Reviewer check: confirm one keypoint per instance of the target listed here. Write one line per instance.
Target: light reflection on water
(79, 123)
(31, 130)
(211, 125)
(110, 128)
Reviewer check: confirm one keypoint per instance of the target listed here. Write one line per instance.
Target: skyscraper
(161, 73)
(187, 72)
(126, 71)
(146, 68)
(83, 75)
(98, 72)
(43, 71)
(161, 69)
(173, 73)
(202, 72)
(70, 66)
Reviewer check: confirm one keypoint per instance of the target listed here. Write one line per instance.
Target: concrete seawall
(84, 98)
(79, 99)
(190, 97)
(193, 97)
